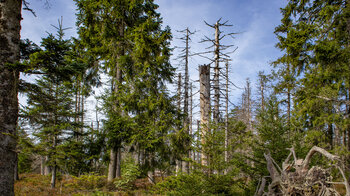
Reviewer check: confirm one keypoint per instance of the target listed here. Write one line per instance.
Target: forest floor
(37, 185)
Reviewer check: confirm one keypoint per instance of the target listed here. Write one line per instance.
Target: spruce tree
(127, 36)
(314, 36)
(50, 105)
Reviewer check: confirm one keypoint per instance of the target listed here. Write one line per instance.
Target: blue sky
(254, 19)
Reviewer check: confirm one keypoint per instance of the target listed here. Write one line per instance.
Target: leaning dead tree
(296, 178)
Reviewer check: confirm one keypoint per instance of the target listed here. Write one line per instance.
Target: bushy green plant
(199, 183)
(130, 172)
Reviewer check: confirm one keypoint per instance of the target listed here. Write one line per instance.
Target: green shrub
(130, 172)
(199, 183)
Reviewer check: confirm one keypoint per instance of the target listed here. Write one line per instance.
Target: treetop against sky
(254, 20)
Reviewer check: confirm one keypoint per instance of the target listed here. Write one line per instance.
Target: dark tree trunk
(10, 17)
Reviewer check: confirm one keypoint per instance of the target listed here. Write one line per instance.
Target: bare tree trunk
(10, 17)
(82, 114)
(118, 173)
(112, 165)
(53, 177)
(191, 153)
(47, 169)
(186, 120)
(179, 162)
(42, 165)
(151, 176)
(226, 119)
(199, 157)
(54, 169)
(204, 79)
(216, 76)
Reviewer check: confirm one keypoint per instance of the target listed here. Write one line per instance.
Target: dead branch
(301, 180)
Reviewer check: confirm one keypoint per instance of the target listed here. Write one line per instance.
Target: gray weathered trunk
(226, 119)
(112, 165)
(204, 80)
(10, 17)
(186, 120)
(53, 176)
(179, 84)
(216, 112)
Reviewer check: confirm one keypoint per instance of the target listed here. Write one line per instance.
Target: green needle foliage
(50, 109)
(126, 36)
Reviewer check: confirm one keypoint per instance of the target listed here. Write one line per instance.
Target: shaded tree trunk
(112, 165)
(118, 173)
(10, 17)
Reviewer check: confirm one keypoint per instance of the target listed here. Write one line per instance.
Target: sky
(253, 20)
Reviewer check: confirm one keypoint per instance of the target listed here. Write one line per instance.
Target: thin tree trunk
(186, 120)
(118, 173)
(47, 169)
(82, 114)
(192, 154)
(54, 169)
(204, 79)
(179, 84)
(226, 119)
(10, 17)
(42, 165)
(216, 76)
(53, 177)
(199, 158)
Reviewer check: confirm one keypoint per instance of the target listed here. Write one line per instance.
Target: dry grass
(39, 185)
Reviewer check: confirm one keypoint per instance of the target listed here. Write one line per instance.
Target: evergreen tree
(128, 37)
(50, 105)
(314, 36)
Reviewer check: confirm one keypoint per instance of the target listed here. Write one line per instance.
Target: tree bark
(118, 172)
(226, 119)
(186, 120)
(16, 177)
(178, 167)
(112, 165)
(216, 75)
(53, 177)
(10, 17)
(204, 80)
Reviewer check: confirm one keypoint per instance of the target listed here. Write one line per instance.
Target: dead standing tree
(220, 55)
(179, 86)
(184, 57)
(204, 80)
(297, 179)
